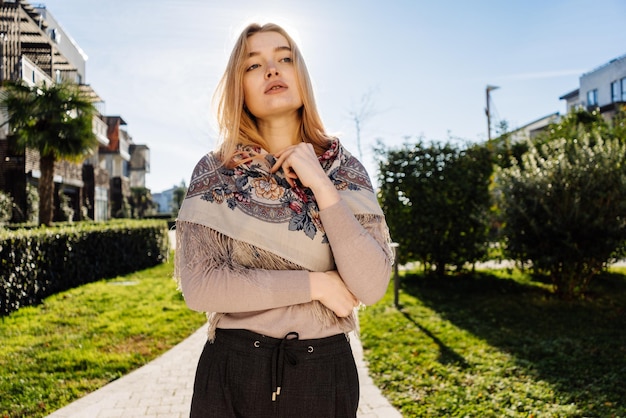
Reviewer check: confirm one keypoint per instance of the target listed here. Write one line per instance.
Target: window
(101, 204)
(592, 97)
(616, 91)
(623, 85)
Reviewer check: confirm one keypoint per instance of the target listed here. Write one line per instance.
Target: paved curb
(163, 388)
(372, 404)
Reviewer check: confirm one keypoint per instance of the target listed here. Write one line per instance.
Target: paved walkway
(163, 388)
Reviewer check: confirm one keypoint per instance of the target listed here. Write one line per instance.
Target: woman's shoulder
(209, 161)
(336, 148)
(349, 169)
(338, 152)
(205, 172)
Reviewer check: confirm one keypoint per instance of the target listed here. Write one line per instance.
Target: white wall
(601, 79)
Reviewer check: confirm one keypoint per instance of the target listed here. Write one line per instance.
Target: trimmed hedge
(37, 263)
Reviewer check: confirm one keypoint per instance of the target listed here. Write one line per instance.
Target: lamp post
(487, 111)
(396, 276)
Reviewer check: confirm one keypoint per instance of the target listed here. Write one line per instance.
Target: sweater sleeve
(212, 282)
(360, 249)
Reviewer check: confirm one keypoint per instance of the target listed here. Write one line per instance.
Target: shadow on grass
(446, 354)
(579, 347)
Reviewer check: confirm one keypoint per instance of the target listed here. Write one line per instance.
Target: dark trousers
(247, 375)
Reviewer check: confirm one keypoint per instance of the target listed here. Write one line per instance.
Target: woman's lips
(275, 87)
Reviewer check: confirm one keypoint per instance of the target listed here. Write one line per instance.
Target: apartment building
(127, 164)
(603, 88)
(35, 48)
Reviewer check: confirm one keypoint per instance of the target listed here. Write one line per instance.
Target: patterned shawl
(250, 204)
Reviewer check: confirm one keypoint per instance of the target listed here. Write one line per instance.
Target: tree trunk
(440, 268)
(46, 190)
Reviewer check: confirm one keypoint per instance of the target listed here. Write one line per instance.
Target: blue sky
(424, 64)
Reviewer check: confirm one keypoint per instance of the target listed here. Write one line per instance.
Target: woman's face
(270, 84)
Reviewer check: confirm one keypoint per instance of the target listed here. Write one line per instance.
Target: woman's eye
(286, 59)
(252, 67)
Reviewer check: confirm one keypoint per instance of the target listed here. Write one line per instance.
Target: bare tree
(361, 113)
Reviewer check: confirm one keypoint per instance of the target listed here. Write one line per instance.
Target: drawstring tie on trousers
(280, 354)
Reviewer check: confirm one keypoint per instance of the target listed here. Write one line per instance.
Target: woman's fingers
(295, 155)
(280, 159)
(298, 162)
(330, 289)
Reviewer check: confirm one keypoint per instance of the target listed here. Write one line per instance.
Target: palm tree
(56, 120)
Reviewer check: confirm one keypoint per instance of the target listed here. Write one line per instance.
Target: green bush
(6, 207)
(38, 262)
(436, 199)
(564, 208)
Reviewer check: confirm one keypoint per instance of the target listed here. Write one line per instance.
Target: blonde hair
(237, 125)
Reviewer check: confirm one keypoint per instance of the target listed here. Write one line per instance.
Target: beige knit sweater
(242, 286)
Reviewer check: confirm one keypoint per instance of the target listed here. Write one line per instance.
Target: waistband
(289, 349)
(244, 339)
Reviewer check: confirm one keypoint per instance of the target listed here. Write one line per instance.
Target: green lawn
(495, 344)
(488, 345)
(81, 339)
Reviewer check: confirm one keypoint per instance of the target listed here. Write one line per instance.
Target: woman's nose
(271, 71)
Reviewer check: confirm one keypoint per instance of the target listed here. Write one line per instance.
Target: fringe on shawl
(200, 244)
(377, 227)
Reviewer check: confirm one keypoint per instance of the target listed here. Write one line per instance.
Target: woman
(280, 238)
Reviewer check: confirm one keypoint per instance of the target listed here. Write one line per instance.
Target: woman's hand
(300, 162)
(332, 292)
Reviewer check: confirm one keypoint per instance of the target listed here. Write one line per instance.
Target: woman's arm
(361, 251)
(211, 282)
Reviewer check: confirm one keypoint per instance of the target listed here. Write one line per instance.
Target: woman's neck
(280, 133)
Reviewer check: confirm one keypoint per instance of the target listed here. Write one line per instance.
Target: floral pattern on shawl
(253, 189)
